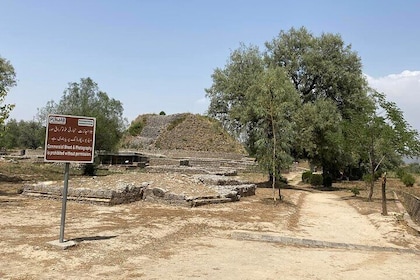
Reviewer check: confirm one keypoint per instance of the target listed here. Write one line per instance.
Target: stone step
(206, 201)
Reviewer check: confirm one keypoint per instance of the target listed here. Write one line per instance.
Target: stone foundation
(220, 189)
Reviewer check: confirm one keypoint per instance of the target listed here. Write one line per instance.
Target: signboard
(70, 139)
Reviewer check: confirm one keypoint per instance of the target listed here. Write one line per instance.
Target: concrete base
(63, 245)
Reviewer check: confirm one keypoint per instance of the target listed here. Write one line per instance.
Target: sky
(156, 55)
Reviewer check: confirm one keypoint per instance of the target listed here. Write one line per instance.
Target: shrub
(355, 191)
(136, 128)
(408, 180)
(176, 122)
(306, 176)
(162, 113)
(89, 169)
(316, 180)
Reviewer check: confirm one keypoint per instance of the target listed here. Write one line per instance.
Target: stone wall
(412, 205)
(124, 193)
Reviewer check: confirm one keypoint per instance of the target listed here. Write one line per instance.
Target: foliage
(400, 172)
(7, 81)
(176, 122)
(408, 180)
(386, 136)
(306, 176)
(355, 191)
(368, 177)
(272, 102)
(23, 135)
(162, 113)
(343, 124)
(327, 77)
(256, 103)
(316, 179)
(89, 169)
(85, 99)
(136, 127)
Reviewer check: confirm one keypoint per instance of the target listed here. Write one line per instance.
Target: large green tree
(327, 74)
(85, 99)
(273, 102)
(7, 80)
(337, 119)
(256, 103)
(324, 71)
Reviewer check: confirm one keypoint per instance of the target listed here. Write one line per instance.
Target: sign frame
(70, 138)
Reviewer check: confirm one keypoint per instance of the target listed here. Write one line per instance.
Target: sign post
(69, 139)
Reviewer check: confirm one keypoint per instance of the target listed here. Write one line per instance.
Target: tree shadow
(92, 238)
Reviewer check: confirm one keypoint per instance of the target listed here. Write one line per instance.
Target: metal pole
(63, 207)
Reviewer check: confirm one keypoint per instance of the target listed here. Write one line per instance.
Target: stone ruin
(217, 175)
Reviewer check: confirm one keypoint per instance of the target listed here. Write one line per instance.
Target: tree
(85, 99)
(7, 81)
(228, 100)
(322, 68)
(31, 134)
(256, 102)
(272, 101)
(324, 71)
(320, 135)
(22, 134)
(388, 138)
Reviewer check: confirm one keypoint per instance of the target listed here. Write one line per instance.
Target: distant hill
(180, 132)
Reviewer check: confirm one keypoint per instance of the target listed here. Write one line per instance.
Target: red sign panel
(70, 139)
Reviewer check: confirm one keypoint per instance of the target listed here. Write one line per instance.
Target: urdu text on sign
(70, 139)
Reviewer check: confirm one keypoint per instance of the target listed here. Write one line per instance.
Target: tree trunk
(384, 210)
(372, 179)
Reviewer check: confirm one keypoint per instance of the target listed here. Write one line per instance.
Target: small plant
(136, 127)
(408, 180)
(306, 176)
(316, 180)
(176, 122)
(355, 191)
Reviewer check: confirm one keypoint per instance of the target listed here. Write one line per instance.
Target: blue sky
(159, 55)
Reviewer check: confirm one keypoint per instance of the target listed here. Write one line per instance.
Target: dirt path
(305, 253)
(325, 216)
(252, 239)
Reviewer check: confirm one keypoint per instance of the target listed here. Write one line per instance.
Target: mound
(181, 132)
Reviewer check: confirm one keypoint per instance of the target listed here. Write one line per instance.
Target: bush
(136, 128)
(176, 122)
(306, 176)
(408, 180)
(316, 180)
(355, 191)
(89, 169)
